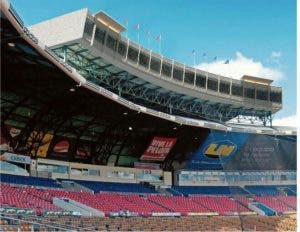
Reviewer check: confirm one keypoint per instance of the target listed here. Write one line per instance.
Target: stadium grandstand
(98, 133)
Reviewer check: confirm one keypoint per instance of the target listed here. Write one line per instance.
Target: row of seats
(116, 187)
(208, 190)
(41, 200)
(28, 180)
(230, 190)
(25, 197)
(219, 223)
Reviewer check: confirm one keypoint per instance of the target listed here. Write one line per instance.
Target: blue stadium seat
(115, 187)
(208, 190)
(27, 180)
(261, 190)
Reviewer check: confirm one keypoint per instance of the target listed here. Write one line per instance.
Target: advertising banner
(11, 157)
(217, 149)
(159, 148)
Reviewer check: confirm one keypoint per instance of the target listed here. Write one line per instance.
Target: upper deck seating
(27, 180)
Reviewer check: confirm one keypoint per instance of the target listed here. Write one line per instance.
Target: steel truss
(123, 84)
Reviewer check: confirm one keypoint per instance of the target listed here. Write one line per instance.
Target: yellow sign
(215, 150)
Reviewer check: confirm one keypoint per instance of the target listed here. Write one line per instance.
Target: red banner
(159, 148)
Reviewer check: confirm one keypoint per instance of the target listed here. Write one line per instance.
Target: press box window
(189, 77)
(177, 74)
(249, 92)
(262, 94)
(122, 49)
(166, 69)
(144, 60)
(99, 35)
(155, 64)
(88, 28)
(212, 84)
(111, 42)
(276, 97)
(200, 81)
(236, 90)
(224, 87)
(133, 54)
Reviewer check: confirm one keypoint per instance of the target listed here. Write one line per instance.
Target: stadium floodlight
(130, 128)
(125, 113)
(11, 44)
(72, 90)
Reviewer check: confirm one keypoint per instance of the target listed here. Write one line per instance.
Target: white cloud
(241, 65)
(286, 121)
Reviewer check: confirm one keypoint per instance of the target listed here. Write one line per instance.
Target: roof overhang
(256, 80)
(109, 22)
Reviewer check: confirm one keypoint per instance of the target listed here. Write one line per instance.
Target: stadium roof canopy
(107, 59)
(55, 89)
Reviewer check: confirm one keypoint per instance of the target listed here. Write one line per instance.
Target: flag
(226, 62)
(215, 58)
(158, 37)
(137, 26)
(204, 54)
(194, 52)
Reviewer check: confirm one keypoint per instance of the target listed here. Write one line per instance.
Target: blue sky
(257, 36)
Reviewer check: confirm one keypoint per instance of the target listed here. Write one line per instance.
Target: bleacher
(28, 180)
(214, 223)
(115, 187)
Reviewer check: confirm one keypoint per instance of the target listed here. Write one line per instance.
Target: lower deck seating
(221, 204)
(275, 203)
(217, 223)
(25, 198)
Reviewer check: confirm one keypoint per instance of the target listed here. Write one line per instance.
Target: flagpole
(194, 54)
(127, 28)
(159, 46)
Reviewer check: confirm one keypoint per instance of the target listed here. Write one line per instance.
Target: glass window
(144, 60)
(166, 69)
(111, 42)
(100, 35)
(133, 54)
(212, 84)
(275, 96)
(189, 77)
(236, 90)
(200, 81)
(178, 74)
(224, 87)
(155, 64)
(262, 94)
(88, 28)
(94, 172)
(122, 49)
(249, 92)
